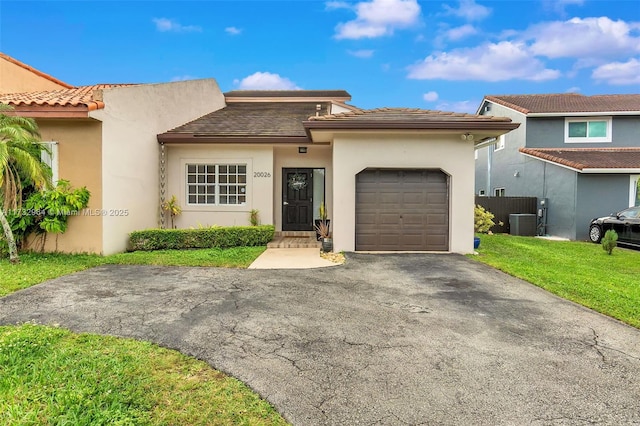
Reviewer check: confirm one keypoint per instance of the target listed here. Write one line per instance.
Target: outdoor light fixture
(466, 137)
(516, 174)
(302, 150)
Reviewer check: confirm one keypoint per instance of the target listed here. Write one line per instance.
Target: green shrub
(483, 220)
(221, 237)
(609, 241)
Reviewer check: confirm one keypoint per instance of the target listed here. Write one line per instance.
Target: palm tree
(19, 162)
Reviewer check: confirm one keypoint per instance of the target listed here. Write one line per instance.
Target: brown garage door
(402, 210)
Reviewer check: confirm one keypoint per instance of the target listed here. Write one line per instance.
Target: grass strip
(578, 271)
(35, 268)
(51, 376)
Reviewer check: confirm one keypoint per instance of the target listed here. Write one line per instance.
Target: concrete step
(294, 239)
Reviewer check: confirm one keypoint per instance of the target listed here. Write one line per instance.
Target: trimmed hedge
(221, 237)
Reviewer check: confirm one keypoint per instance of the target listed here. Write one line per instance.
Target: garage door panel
(402, 210)
(437, 219)
(386, 198)
(367, 219)
(388, 218)
(409, 219)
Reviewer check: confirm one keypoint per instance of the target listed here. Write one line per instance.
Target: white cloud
(619, 73)
(378, 18)
(430, 96)
(233, 30)
(266, 81)
(333, 5)
(362, 53)
(469, 10)
(460, 32)
(559, 6)
(184, 77)
(590, 39)
(574, 89)
(169, 25)
(488, 62)
(468, 107)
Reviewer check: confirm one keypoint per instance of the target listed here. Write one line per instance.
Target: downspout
(162, 188)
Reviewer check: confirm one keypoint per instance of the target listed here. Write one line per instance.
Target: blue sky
(399, 53)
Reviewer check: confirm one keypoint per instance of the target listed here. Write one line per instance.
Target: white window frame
(51, 159)
(475, 154)
(500, 144)
(217, 184)
(499, 192)
(587, 139)
(633, 189)
(481, 193)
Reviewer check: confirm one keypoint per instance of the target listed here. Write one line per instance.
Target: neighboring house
(581, 153)
(104, 137)
(391, 179)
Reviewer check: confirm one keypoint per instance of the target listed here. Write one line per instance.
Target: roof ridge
(34, 71)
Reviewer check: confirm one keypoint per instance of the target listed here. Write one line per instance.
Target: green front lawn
(577, 271)
(50, 376)
(38, 267)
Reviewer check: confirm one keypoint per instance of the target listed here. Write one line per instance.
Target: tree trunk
(8, 234)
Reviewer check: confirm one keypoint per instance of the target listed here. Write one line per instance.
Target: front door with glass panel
(297, 199)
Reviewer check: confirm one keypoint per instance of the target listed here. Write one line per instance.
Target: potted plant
(322, 213)
(322, 229)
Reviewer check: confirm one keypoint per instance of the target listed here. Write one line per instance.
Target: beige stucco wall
(132, 118)
(260, 177)
(16, 79)
(353, 153)
(317, 156)
(79, 151)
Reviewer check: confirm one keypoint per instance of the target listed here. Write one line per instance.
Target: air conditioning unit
(522, 224)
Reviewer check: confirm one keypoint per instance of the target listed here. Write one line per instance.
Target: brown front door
(297, 199)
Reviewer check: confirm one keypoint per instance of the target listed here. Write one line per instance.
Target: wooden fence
(502, 207)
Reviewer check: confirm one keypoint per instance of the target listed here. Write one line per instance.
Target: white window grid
(216, 184)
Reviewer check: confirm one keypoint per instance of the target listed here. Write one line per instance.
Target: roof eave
(55, 111)
(581, 114)
(409, 125)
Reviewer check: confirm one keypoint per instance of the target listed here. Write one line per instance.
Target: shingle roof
(85, 96)
(248, 120)
(568, 103)
(33, 70)
(584, 159)
(322, 94)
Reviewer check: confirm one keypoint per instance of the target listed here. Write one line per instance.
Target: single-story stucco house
(391, 178)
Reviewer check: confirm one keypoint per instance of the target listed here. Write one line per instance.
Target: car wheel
(595, 233)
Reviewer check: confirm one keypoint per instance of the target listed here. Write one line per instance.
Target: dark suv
(626, 223)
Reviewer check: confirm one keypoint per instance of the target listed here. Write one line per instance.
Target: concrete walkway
(291, 258)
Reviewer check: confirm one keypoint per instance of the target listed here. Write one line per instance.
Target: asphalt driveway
(384, 339)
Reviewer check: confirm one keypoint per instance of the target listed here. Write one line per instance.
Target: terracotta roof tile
(588, 158)
(406, 114)
(87, 96)
(568, 103)
(34, 71)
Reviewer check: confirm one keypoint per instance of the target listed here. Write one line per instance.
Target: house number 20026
(261, 174)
